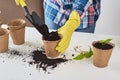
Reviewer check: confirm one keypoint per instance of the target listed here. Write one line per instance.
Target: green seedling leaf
(84, 54)
(89, 53)
(79, 57)
(105, 41)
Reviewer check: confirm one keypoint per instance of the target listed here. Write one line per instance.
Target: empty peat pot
(102, 53)
(17, 31)
(4, 37)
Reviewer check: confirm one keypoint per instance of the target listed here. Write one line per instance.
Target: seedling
(84, 54)
(103, 42)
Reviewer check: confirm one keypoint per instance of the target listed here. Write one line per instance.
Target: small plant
(84, 54)
(102, 50)
(103, 42)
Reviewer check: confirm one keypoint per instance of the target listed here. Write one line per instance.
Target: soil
(41, 60)
(104, 47)
(15, 52)
(49, 36)
(38, 58)
(53, 36)
(43, 29)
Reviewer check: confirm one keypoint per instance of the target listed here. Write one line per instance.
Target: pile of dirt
(37, 58)
(41, 61)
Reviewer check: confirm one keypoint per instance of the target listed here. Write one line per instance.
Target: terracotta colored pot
(4, 37)
(50, 48)
(101, 57)
(17, 31)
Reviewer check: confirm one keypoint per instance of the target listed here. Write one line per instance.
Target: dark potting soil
(43, 29)
(15, 53)
(41, 60)
(104, 47)
(53, 36)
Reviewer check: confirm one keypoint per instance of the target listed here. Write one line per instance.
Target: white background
(109, 20)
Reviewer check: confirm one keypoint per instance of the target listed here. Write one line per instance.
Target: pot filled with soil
(50, 44)
(4, 37)
(17, 31)
(102, 51)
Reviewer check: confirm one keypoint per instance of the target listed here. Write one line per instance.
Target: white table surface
(15, 69)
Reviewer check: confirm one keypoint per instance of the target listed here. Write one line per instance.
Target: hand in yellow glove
(67, 30)
(20, 2)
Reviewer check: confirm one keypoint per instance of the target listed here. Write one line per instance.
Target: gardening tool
(40, 25)
(34, 19)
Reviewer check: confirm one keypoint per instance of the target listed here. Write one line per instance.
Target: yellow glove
(67, 30)
(20, 2)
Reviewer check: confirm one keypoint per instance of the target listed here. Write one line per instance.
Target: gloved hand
(20, 2)
(67, 30)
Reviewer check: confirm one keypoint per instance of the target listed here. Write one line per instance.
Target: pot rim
(6, 32)
(110, 43)
(16, 24)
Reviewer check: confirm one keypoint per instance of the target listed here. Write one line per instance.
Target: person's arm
(66, 31)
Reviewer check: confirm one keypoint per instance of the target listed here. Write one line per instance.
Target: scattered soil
(104, 47)
(41, 60)
(38, 58)
(15, 52)
(53, 36)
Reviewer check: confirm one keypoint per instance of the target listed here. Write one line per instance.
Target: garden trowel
(40, 25)
(34, 19)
